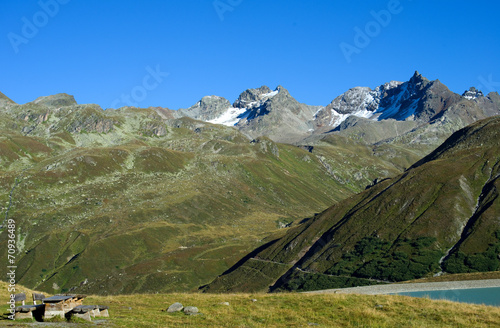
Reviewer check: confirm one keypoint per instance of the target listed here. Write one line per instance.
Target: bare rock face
(89, 119)
(57, 100)
(277, 115)
(402, 106)
(208, 108)
(472, 93)
(417, 99)
(251, 96)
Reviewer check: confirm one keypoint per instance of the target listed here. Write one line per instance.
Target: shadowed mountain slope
(441, 214)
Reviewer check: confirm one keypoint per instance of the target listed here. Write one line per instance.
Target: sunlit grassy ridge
(287, 310)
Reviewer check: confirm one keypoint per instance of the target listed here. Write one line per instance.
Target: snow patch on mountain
(262, 99)
(395, 102)
(472, 94)
(359, 101)
(231, 117)
(338, 118)
(394, 99)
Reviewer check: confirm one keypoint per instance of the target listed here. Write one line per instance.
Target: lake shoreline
(411, 287)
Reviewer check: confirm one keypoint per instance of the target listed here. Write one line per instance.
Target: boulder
(176, 307)
(190, 310)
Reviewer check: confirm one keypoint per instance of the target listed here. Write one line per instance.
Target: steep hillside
(440, 215)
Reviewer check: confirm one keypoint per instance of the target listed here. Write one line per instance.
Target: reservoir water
(487, 296)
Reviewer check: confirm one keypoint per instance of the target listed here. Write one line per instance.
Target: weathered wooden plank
(21, 297)
(56, 298)
(38, 297)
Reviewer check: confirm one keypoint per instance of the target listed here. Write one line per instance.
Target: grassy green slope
(397, 230)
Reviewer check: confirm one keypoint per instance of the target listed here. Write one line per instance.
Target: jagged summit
(472, 93)
(276, 114)
(57, 100)
(208, 108)
(251, 97)
(249, 105)
(418, 78)
(416, 99)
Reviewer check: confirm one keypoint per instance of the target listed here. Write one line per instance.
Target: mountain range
(408, 107)
(136, 200)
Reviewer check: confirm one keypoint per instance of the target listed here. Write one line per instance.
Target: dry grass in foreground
(290, 310)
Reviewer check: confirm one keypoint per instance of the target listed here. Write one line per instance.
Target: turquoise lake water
(487, 296)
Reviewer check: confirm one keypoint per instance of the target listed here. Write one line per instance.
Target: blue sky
(172, 53)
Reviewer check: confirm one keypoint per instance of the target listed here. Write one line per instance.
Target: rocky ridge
(409, 106)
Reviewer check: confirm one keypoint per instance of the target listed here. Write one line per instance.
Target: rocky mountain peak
(354, 100)
(417, 81)
(416, 99)
(208, 108)
(417, 78)
(251, 97)
(472, 93)
(209, 101)
(57, 100)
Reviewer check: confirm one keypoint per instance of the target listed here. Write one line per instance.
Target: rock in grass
(191, 310)
(176, 307)
(224, 303)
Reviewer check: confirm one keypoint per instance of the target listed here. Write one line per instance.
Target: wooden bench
(28, 311)
(35, 311)
(37, 297)
(21, 297)
(86, 312)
